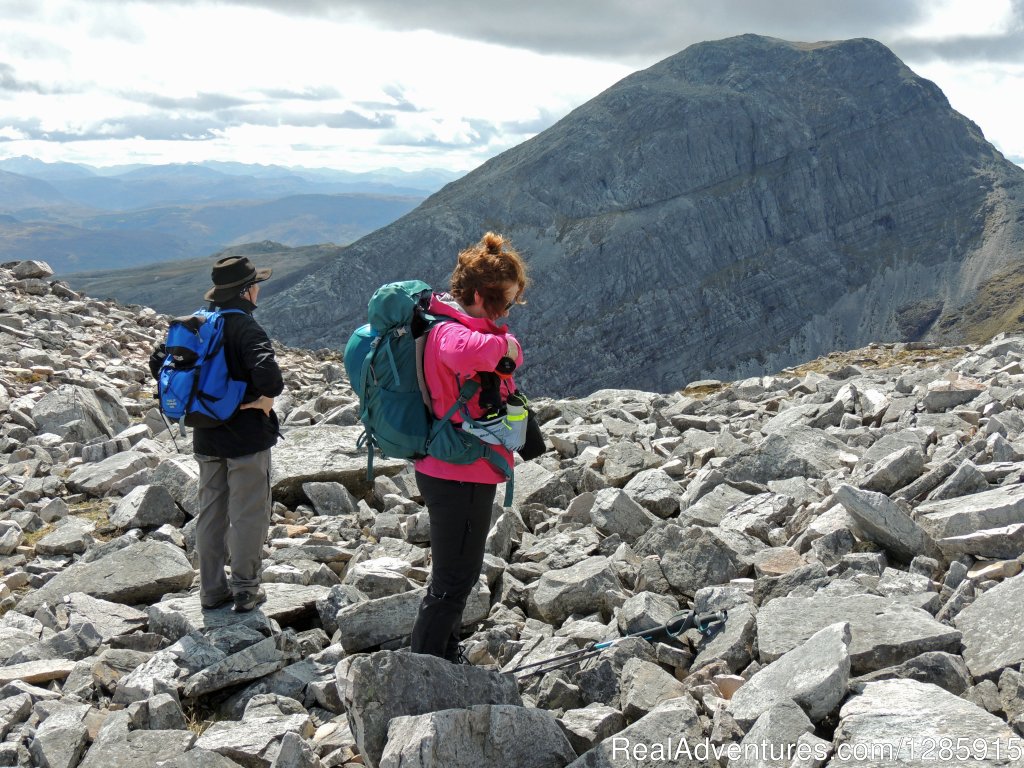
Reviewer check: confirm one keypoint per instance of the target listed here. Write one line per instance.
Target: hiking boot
(246, 601)
(457, 655)
(215, 603)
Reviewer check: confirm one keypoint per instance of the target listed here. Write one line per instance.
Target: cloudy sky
(363, 84)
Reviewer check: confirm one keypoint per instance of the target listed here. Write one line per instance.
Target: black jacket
(250, 358)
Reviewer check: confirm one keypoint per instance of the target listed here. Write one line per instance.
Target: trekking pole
(170, 431)
(679, 623)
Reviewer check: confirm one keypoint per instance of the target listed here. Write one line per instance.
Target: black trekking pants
(460, 518)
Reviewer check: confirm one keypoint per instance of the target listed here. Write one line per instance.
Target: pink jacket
(453, 354)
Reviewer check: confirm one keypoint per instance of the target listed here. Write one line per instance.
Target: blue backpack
(384, 362)
(195, 387)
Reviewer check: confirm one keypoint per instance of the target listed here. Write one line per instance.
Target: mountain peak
(735, 207)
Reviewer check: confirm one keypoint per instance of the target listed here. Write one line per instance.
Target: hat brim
(220, 293)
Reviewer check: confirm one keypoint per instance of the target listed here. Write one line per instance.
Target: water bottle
(515, 417)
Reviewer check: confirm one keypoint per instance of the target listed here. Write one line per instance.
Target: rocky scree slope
(860, 519)
(738, 207)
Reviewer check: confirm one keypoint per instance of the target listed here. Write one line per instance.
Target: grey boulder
(484, 736)
(79, 414)
(906, 723)
(147, 506)
(886, 524)
(991, 629)
(139, 573)
(671, 735)
(884, 631)
(580, 588)
(376, 688)
(815, 675)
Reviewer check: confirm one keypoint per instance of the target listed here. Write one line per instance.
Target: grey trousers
(234, 516)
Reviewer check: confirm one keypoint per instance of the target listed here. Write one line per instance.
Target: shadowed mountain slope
(736, 207)
(177, 287)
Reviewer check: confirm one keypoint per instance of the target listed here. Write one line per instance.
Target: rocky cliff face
(737, 207)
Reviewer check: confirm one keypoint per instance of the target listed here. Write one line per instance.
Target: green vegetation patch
(998, 307)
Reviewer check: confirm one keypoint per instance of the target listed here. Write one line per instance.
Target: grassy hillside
(997, 307)
(86, 241)
(69, 248)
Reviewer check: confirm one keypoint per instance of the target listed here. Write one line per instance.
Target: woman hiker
(488, 280)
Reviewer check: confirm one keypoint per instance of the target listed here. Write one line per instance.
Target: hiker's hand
(264, 403)
(513, 349)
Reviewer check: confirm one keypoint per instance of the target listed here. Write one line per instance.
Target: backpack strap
(499, 462)
(510, 476)
(367, 436)
(397, 333)
(431, 321)
(466, 392)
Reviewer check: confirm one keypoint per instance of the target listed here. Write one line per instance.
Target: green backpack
(384, 362)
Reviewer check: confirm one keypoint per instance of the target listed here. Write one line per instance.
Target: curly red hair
(487, 269)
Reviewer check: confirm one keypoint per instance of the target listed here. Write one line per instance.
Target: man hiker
(234, 457)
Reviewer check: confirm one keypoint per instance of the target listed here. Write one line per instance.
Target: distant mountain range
(738, 207)
(137, 186)
(78, 217)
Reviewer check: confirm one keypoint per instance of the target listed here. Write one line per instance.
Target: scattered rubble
(859, 524)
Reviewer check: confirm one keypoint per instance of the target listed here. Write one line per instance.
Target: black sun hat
(232, 273)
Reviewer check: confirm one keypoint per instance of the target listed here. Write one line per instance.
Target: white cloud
(360, 85)
(971, 89)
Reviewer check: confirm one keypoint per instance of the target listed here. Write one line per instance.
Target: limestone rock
(140, 573)
(697, 557)
(60, 740)
(377, 688)
(1004, 543)
(989, 625)
(256, 741)
(885, 523)
(884, 631)
(147, 506)
(36, 671)
(776, 731)
(489, 736)
(593, 724)
(654, 739)
(24, 270)
(180, 476)
(656, 491)
(946, 670)
(615, 512)
(79, 414)
(98, 479)
(815, 675)
(796, 452)
(903, 722)
(970, 514)
(581, 588)
(370, 623)
(251, 663)
(330, 498)
(645, 686)
(535, 484)
(72, 537)
(322, 453)
(179, 616)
